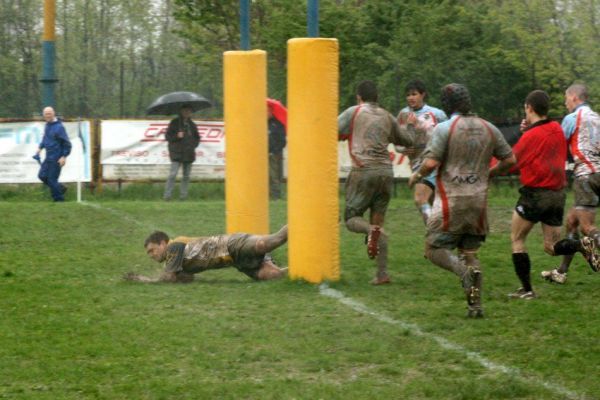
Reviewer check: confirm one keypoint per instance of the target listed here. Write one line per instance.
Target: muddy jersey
(464, 146)
(427, 118)
(197, 254)
(582, 130)
(369, 130)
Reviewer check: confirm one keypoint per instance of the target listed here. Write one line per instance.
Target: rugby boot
(372, 241)
(381, 279)
(472, 282)
(588, 246)
(554, 276)
(522, 294)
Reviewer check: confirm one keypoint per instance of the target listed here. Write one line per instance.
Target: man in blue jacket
(58, 147)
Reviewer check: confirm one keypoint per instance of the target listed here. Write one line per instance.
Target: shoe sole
(589, 246)
(372, 247)
(550, 278)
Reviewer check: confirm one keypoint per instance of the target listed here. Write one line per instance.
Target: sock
(523, 269)
(382, 255)
(425, 212)
(566, 247)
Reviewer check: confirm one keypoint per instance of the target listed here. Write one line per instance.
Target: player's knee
(549, 248)
(260, 246)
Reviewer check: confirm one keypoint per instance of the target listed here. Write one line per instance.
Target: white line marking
(326, 291)
(121, 214)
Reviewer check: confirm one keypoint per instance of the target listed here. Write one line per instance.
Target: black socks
(523, 268)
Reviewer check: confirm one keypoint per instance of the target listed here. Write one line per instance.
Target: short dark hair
(455, 98)
(367, 90)
(417, 85)
(539, 102)
(156, 237)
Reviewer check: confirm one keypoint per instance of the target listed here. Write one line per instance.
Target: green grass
(70, 328)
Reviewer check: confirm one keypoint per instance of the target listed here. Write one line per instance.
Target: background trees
(114, 57)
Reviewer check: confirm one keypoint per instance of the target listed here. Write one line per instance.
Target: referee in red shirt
(541, 154)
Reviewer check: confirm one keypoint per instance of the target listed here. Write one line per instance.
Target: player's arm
(429, 165)
(502, 152)
(344, 122)
(165, 277)
(402, 136)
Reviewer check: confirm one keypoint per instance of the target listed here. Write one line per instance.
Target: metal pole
(48, 55)
(313, 18)
(245, 24)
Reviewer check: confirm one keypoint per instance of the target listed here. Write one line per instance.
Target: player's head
(455, 98)
(575, 94)
(415, 93)
(366, 91)
(538, 101)
(156, 245)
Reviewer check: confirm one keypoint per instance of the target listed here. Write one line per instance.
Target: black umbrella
(171, 103)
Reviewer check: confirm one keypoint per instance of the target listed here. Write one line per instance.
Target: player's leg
(473, 277)
(268, 270)
(263, 244)
(423, 195)
(377, 243)
(520, 228)
(171, 180)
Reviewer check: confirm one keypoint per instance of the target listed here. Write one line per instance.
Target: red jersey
(541, 156)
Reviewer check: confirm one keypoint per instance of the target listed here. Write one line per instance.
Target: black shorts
(541, 205)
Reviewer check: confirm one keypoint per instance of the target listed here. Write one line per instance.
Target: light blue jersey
(427, 119)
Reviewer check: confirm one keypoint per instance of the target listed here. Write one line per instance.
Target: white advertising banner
(19, 142)
(137, 150)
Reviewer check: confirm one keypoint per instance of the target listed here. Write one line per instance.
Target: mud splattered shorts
(242, 248)
(587, 190)
(368, 188)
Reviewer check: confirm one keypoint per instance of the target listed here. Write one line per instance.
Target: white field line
(122, 215)
(357, 306)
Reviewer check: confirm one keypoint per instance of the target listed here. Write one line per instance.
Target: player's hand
(414, 178)
(180, 135)
(523, 125)
(411, 119)
(131, 276)
(62, 161)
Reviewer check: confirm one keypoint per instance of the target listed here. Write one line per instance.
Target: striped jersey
(582, 130)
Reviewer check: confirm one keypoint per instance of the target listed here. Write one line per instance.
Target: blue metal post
(48, 54)
(48, 74)
(245, 24)
(313, 18)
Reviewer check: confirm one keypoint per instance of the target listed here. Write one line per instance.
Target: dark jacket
(277, 139)
(184, 149)
(55, 141)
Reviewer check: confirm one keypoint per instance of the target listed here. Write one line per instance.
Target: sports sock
(568, 258)
(382, 255)
(566, 247)
(446, 259)
(425, 211)
(523, 269)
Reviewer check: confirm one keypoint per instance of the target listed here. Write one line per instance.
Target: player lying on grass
(185, 256)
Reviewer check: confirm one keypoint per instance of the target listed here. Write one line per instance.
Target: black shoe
(63, 189)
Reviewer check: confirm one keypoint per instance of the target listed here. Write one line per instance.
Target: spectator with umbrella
(182, 135)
